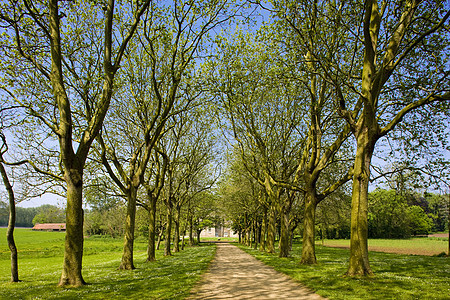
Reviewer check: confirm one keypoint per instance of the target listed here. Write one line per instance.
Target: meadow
(40, 265)
(397, 276)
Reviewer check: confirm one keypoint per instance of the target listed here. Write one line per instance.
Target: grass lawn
(40, 266)
(419, 246)
(396, 276)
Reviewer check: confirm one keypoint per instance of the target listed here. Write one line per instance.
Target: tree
(64, 69)
(411, 36)
(387, 53)
(153, 191)
(12, 210)
(388, 215)
(49, 214)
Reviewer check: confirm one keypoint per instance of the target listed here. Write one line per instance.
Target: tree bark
(359, 254)
(151, 249)
(11, 224)
(271, 230)
(262, 245)
(191, 231)
(198, 236)
(167, 238)
(284, 234)
(176, 238)
(127, 256)
(73, 249)
(255, 233)
(161, 233)
(308, 244)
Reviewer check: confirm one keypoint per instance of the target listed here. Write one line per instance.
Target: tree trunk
(284, 235)
(262, 245)
(127, 256)
(308, 245)
(271, 230)
(11, 243)
(158, 244)
(359, 254)
(182, 239)
(191, 226)
(151, 249)
(11, 224)
(198, 236)
(73, 249)
(255, 233)
(168, 236)
(176, 238)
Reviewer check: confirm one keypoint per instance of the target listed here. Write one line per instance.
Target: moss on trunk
(271, 230)
(308, 246)
(130, 222)
(73, 249)
(359, 253)
(151, 249)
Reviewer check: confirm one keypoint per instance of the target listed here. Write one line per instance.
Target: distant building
(218, 231)
(50, 227)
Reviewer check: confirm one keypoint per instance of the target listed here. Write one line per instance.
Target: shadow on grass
(167, 278)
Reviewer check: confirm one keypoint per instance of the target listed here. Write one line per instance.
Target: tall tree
(158, 68)
(313, 36)
(387, 94)
(12, 211)
(61, 58)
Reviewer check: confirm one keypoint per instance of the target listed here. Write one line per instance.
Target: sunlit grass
(167, 278)
(422, 245)
(396, 276)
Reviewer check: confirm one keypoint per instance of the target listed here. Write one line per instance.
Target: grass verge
(40, 264)
(396, 276)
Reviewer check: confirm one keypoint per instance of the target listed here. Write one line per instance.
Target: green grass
(40, 265)
(396, 276)
(422, 245)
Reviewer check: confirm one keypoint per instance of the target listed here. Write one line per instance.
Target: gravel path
(235, 274)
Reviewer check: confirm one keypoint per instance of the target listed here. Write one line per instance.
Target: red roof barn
(50, 227)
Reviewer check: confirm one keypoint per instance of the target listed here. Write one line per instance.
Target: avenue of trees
(164, 117)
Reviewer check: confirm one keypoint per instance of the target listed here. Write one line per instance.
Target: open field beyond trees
(41, 255)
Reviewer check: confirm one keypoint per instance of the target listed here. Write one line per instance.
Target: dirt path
(235, 274)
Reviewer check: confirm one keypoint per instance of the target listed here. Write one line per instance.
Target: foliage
(397, 276)
(420, 223)
(167, 278)
(49, 214)
(396, 215)
(24, 215)
(105, 222)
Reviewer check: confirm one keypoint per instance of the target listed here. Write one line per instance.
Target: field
(396, 276)
(40, 265)
(416, 246)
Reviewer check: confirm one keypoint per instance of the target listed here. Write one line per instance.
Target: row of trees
(105, 99)
(309, 96)
(114, 101)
